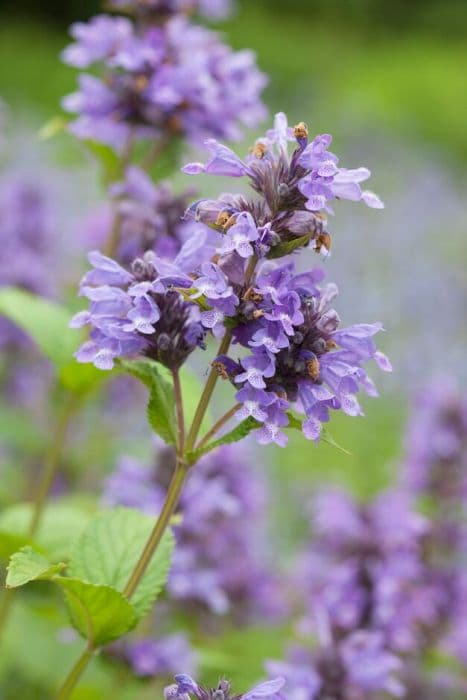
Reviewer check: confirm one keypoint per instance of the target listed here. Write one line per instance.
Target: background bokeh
(387, 79)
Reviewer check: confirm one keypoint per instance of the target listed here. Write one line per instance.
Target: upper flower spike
(160, 79)
(296, 190)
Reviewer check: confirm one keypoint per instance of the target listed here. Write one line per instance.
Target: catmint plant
(294, 353)
(170, 280)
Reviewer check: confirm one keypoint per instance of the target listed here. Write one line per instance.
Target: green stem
(180, 414)
(162, 523)
(206, 395)
(213, 376)
(75, 674)
(218, 425)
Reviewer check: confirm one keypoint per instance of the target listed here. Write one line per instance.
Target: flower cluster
(26, 239)
(436, 471)
(223, 511)
(185, 688)
(160, 657)
(295, 191)
(369, 597)
(436, 459)
(136, 311)
(297, 355)
(150, 217)
(160, 78)
(359, 667)
(157, 9)
(294, 352)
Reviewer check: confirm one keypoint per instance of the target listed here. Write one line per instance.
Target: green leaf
(238, 433)
(99, 613)
(161, 405)
(109, 161)
(61, 524)
(295, 423)
(109, 549)
(288, 247)
(47, 323)
(79, 378)
(44, 321)
(28, 565)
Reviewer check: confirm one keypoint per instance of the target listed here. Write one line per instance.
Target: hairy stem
(218, 425)
(162, 523)
(180, 415)
(75, 674)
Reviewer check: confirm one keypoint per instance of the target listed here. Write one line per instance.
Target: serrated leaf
(288, 247)
(109, 549)
(161, 405)
(44, 321)
(47, 323)
(99, 612)
(60, 525)
(238, 433)
(28, 565)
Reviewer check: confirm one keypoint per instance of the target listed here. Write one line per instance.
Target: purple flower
(160, 657)
(296, 352)
(151, 217)
(240, 236)
(435, 463)
(166, 78)
(355, 668)
(136, 312)
(185, 687)
(295, 190)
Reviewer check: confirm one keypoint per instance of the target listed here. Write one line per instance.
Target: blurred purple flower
(160, 657)
(168, 79)
(185, 687)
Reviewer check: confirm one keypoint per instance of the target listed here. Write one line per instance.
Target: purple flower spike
(295, 191)
(159, 76)
(297, 354)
